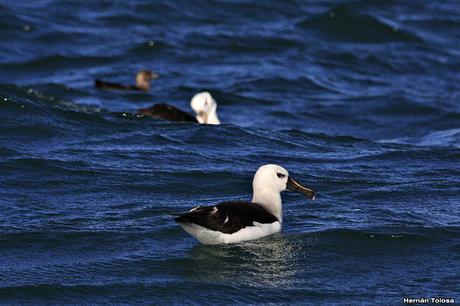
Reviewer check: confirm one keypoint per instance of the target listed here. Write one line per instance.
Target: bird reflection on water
(268, 262)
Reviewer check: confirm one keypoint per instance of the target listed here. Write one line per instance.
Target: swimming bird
(143, 79)
(236, 221)
(202, 103)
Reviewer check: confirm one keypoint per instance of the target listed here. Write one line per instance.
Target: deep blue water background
(360, 100)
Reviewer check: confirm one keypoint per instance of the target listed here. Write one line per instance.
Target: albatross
(143, 79)
(235, 221)
(202, 103)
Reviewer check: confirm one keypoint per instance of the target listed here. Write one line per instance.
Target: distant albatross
(231, 222)
(202, 103)
(143, 79)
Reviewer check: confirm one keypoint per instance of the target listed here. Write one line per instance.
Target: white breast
(207, 236)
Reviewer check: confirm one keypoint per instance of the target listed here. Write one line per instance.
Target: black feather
(240, 214)
(115, 86)
(167, 112)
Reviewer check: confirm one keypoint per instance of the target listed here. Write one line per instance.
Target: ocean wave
(344, 23)
(357, 101)
(60, 61)
(444, 138)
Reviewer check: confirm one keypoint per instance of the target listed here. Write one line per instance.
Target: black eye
(280, 175)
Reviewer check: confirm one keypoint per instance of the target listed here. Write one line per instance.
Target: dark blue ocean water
(359, 100)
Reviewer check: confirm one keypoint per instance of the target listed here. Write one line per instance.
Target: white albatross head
(269, 181)
(205, 108)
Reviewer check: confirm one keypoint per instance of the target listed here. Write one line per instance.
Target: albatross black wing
(227, 217)
(115, 86)
(167, 112)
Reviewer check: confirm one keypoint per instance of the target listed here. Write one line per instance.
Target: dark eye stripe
(280, 175)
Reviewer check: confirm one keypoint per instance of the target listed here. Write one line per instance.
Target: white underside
(207, 236)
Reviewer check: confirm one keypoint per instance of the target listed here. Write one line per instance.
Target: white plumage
(231, 222)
